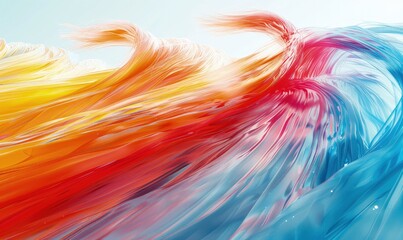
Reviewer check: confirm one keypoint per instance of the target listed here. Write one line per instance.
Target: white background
(41, 21)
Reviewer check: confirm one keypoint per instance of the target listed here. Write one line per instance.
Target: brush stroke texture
(302, 139)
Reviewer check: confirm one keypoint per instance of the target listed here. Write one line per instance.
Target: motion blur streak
(299, 140)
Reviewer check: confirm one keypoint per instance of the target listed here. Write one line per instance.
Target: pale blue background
(42, 21)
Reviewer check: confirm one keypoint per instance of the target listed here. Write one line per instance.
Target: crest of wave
(300, 140)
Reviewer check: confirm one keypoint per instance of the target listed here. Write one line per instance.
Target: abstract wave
(302, 139)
